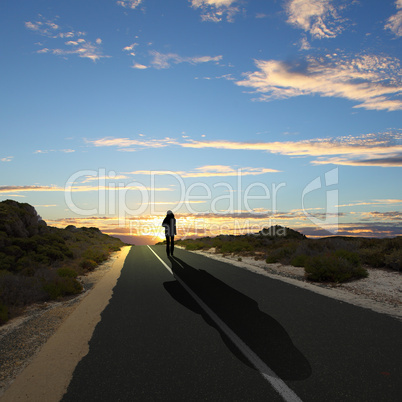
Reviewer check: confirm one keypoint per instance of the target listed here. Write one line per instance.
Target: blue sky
(197, 91)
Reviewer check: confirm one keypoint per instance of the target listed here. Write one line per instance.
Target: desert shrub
(235, 247)
(16, 290)
(394, 260)
(49, 253)
(299, 260)
(66, 272)
(15, 251)
(332, 268)
(217, 242)
(372, 256)
(88, 265)
(195, 246)
(62, 287)
(95, 254)
(7, 262)
(350, 256)
(3, 314)
(280, 254)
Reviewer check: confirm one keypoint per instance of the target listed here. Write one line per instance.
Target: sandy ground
(43, 347)
(380, 292)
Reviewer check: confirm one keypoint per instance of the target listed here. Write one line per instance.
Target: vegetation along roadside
(332, 259)
(39, 262)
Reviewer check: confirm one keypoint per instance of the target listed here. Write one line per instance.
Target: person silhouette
(169, 223)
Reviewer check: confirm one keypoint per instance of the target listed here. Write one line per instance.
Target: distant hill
(39, 262)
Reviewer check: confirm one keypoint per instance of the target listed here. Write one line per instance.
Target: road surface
(190, 328)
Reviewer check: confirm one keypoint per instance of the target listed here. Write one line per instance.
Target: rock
(20, 219)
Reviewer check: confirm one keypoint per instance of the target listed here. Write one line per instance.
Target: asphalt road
(155, 342)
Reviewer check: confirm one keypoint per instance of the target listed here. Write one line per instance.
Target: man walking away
(169, 224)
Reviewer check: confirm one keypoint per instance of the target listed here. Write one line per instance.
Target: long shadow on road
(263, 334)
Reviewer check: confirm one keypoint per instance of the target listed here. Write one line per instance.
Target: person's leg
(168, 245)
(172, 245)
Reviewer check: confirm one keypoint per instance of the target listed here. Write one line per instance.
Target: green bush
(7, 262)
(299, 260)
(3, 314)
(373, 256)
(394, 260)
(332, 268)
(195, 246)
(88, 265)
(349, 256)
(235, 246)
(281, 254)
(17, 290)
(95, 254)
(67, 272)
(62, 287)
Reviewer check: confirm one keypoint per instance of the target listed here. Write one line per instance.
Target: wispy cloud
(139, 66)
(17, 189)
(216, 10)
(211, 171)
(370, 80)
(129, 3)
(350, 150)
(123, 143)
(130, 49)
(394, 22)
(74, 187)
(383, 216)
(371, 202)
(75, 45)
(165, 60)
(46, 151)
(7, 159)
(374, 149)
(318, 17)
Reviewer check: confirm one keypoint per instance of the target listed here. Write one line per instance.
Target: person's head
(169, 212)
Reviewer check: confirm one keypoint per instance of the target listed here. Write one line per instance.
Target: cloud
(394, 22)
(127, 142)
(46, 151)
(370, 80)
(139, 66)
(161, 60)
(48, 28)
(84, 49)
(129, 3)
(13, 189)
(7, 159)
(216, 10)
(372, 202)
(44, 27)
(383, 216)
(390, 161)
(76, 45)
(130, 49)
(380, 149)
(318, 17)
(78, 188)
(358, 229)
(350, 150)
(211, 171)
